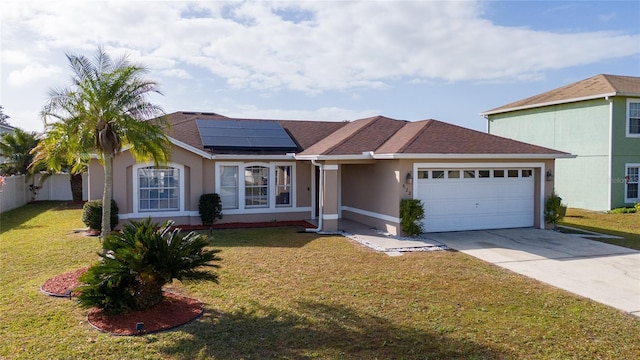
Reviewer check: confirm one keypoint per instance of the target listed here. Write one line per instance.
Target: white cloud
(336, 45)
(31, 73)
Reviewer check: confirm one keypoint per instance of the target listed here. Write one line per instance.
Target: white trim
(557, 102)
(371, 214)
(330, 167)
(627, 118)
(136, 192)
(629, 200)
(190, 148)
(610, 155)
(171, 214)
(473, 156)
(330, 216)
(497, 165)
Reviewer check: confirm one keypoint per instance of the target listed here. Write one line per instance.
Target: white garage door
(475, 199)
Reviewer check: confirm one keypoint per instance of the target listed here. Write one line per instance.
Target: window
(438, 174)
(527, 173)
(484, 173)
(229, 187)
(469, 174)
(631, 183)
(454, 174)
(283, 185)
(633, 118)
(159, 188)
(512, 173)
(256, 186)
(423, 174)
(498, 173)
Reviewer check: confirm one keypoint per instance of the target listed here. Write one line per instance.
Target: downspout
(320, 194)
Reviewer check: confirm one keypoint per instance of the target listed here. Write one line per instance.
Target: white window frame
(158, 213)
(628, 118)
(627, 199)
(272, 184)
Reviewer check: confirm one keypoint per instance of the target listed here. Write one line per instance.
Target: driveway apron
(602, 272)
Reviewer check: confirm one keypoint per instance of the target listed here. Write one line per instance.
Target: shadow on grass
(629, 240)
(313, 330)
(15, 218)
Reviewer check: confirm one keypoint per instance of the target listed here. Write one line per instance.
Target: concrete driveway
(605, 273)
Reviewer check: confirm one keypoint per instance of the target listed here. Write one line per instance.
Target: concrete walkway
(602, 272)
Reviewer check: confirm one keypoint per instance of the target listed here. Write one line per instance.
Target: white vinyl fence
(15, 191)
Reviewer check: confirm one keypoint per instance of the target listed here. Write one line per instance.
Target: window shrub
(411, 216)
(210, 208)
(92, 214)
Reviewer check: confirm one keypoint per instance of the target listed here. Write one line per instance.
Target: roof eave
(473, 156)
(551, 103)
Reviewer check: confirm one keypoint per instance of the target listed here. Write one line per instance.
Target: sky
(321, 60)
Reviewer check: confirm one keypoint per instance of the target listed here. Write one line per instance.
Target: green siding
(581, 129)
(626, 150)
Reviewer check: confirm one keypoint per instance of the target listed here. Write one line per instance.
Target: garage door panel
(476, 203)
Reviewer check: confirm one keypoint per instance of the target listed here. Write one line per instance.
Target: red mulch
(173, 311)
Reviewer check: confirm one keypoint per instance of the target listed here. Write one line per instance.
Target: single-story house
(277, 170)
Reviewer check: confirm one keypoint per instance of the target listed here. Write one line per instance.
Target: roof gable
(594, 87)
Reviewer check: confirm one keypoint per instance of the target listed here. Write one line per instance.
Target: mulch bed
(173, 311)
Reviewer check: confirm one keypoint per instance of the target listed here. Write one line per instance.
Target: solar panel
(244, 135)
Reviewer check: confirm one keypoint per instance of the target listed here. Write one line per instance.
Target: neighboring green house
(597, 119)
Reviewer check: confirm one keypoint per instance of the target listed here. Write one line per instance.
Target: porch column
(330, 198)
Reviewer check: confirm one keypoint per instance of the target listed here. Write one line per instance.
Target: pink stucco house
(275, 170)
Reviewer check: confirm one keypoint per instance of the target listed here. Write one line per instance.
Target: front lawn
(289, 295)
(626, 226)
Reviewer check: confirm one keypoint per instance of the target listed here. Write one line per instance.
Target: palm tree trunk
(107, 195)
(147, 292)
(76, 187)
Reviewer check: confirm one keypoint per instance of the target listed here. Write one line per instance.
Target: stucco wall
(581, 129)
(625, 150)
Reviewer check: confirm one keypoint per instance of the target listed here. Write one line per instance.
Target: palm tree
(56, 152)
(15, 148)
(106, 108)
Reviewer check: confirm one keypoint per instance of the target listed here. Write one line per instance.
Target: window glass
(484, 173)
(633, 120)
(469, 174)
(527, 173)
(423, 174)
(256, 186)
(438, 174)
(229, 187)
(512, 173)
(498, 173)
(283, 185)
(158, 189)
(632, 180)
(454, 174)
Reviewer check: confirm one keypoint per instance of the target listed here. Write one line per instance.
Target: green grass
(290, 295)
(626, 226)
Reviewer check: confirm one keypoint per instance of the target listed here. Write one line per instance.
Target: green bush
(210, 208)
(623, 210)
(411, 216)
(139, 261)
(92, 214)
(637, 206)
(554, 210)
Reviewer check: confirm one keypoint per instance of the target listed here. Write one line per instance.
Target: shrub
(623, 210)
(554, 210)
(637, 206)
(139, 261)
(210, 208)
(92, 214)
(411, 216)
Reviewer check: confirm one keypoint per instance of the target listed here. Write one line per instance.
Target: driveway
(605, 273)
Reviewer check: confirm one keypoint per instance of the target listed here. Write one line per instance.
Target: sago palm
(139, 261)
(106, 107)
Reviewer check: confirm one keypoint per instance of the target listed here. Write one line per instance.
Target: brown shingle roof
(594, 87)
(379, 134)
